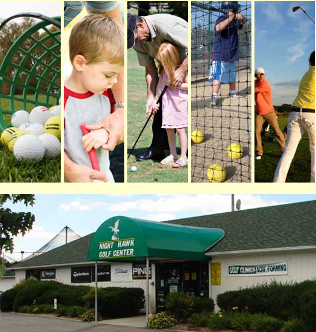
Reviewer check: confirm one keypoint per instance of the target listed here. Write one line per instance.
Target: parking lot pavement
(12, 322)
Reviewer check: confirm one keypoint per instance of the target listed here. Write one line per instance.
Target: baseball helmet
(228, 6)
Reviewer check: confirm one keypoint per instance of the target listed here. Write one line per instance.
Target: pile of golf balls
(34, 135)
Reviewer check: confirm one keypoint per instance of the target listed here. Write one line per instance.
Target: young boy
(225, 49)
(96, 47)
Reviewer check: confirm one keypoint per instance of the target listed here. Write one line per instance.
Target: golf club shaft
(307, 15)
(162, 93)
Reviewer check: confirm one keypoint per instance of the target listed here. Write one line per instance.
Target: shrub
(61, 311)
(24, 309)
(308, 309)
(128, 300)
(47, 308)
(264, 323)
(7, 300)
(75, 311)
(220, 321)
(88, 316)
(202, 304)
(275, 299)
(294, 325)
(240, 321)
(161, 321)
(179, 305)
(201, 319)
(68, 295)
(44, 292)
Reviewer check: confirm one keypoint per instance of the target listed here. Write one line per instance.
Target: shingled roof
(290, 225)
(282, 226)
(73, 252)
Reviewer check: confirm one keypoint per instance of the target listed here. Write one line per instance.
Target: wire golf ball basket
(30, 70)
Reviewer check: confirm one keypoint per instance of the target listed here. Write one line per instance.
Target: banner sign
(104, 273)
(48, 274)
(140, 271)
(258, 270)
(121, 272)
(216, 278)
(81, 274)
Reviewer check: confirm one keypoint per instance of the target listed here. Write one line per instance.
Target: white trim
(55, 265)
(253, 251)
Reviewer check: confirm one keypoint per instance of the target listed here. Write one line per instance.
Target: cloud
(81, 206)
(270, 10)
(294, 83)
(160, 217)
(194, 204)
(261, 32)
(295, 52)
(283, 94)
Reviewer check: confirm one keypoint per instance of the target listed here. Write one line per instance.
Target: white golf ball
(56, 110)
(29, 147)
(133, 168)
(36, 129)
(25, 126)
(51, 144)
(40, 114)
(19, 117)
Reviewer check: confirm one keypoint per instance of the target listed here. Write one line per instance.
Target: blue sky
(85, 213)
(283, 43)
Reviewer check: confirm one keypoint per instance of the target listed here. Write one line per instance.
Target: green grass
(300, 167)
(12, 170)
(148, 171)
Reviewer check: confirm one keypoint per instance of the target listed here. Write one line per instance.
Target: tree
(14, 223)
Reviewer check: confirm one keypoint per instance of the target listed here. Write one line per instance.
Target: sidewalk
(137, 321)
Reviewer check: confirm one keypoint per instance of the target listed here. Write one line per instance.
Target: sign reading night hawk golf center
(133, 240)
(258, 270)
(117, 248)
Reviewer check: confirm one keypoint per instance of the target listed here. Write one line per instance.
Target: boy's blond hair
(98, 39)
(169, 59)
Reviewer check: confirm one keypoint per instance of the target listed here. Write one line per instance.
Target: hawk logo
(115, 230)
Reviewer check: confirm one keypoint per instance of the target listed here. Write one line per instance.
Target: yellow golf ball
(53, 126)
(235, 151)
(14, 137)
(6, 134)
(216, 173)
(197, 136)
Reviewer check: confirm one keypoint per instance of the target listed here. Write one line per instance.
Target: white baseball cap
(259, 71)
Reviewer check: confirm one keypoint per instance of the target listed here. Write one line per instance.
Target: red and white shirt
(85, 108)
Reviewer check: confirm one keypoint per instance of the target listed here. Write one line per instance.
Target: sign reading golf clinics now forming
(258, 270)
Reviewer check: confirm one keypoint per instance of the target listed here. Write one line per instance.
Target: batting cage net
(221, 91)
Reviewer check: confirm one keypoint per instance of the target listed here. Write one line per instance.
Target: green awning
(129, 239)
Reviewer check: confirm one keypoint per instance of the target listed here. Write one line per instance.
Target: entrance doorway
(192, 278)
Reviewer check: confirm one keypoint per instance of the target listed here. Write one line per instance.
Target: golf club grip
(92, 153)
(161, 94)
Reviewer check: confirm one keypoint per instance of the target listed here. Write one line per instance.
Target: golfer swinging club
(145, 35)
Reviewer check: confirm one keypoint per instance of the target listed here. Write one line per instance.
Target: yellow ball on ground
(14, 137)
(216, 173)
(6, 134)
(53, 126)
(197, 136)
(235, 151)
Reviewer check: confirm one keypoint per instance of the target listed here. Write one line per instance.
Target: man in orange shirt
(265, 110)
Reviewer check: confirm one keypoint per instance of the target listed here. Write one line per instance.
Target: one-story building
(202, 256)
